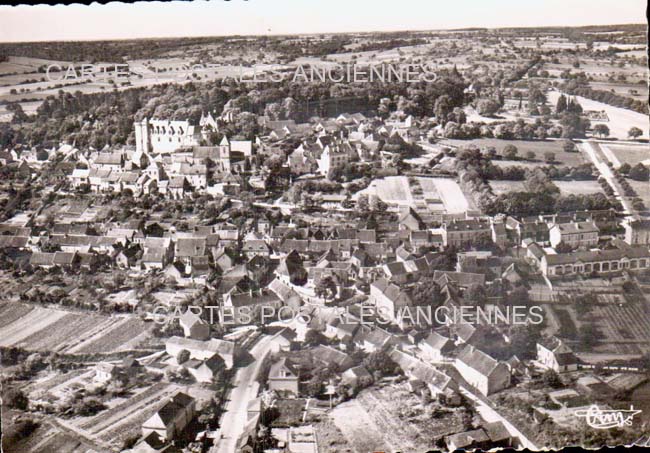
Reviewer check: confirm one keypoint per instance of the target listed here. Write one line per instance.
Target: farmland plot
(38, 328)
(36, 320)
(125, 419)
(123, 333)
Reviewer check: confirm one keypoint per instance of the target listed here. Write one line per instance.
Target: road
(245, 389)
(490, 415)
(606, 173)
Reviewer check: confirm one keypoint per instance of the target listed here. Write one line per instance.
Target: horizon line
(235, 35)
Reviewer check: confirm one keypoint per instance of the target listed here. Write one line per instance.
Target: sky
(258, 17)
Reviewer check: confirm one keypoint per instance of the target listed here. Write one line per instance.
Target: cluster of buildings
(196, 168)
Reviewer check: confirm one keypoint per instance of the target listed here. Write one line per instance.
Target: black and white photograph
(284, 226)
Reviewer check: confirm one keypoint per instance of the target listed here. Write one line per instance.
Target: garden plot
(126, 420)
(440, 194)
(357, 426)
(451, 195)
(391, 190)
(626, 322)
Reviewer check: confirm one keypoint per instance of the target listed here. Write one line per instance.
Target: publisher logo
(610, 418)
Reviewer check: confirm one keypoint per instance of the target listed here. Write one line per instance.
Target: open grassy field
(566, 187)
(38, 328)
(623, 89)
(618, 154)
(538, 147)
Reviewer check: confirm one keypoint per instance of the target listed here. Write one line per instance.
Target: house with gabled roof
(291, 269)
(410, 220)
(205, 370)
(342, 330)
(194, 326)
(172, 418)
(421, 373)
(436, 347)
(330, 356)
(459, 279)
(481, 371)
(554, 354)
(284, 376)
(202, 350)
(390, 301)
(373, 339)
(153, 443)
(574, 234)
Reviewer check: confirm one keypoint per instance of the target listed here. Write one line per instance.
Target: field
(125, 419)
(625, 327)
(391, 418)
(623, 88)
(620, 120)
(441, 194)
(628, 153)
(330, 437)
(538, 147)
(38, 328)
(48, 438)
(642, 189)
(566, 187)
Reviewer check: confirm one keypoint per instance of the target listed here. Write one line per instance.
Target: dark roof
(477, 360)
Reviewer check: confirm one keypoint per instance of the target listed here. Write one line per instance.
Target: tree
(549, 157)
(552, 379)
(530, 155)
(362, 203)
(475, 295)
(380, 363)
(487, 107)
(568, 146)
(640, 172)
(326, 288)
(634, 132)
(182, 356)
(601, 130)
(314, 338)
(510, 151)
(88, 406)
(561, 104)
(15, 399)
(625, 168)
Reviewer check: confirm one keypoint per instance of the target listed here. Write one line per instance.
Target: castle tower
(142, 143)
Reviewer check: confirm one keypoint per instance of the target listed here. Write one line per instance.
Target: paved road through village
(245, 389)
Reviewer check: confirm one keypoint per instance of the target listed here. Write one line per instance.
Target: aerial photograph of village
(404, 239)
